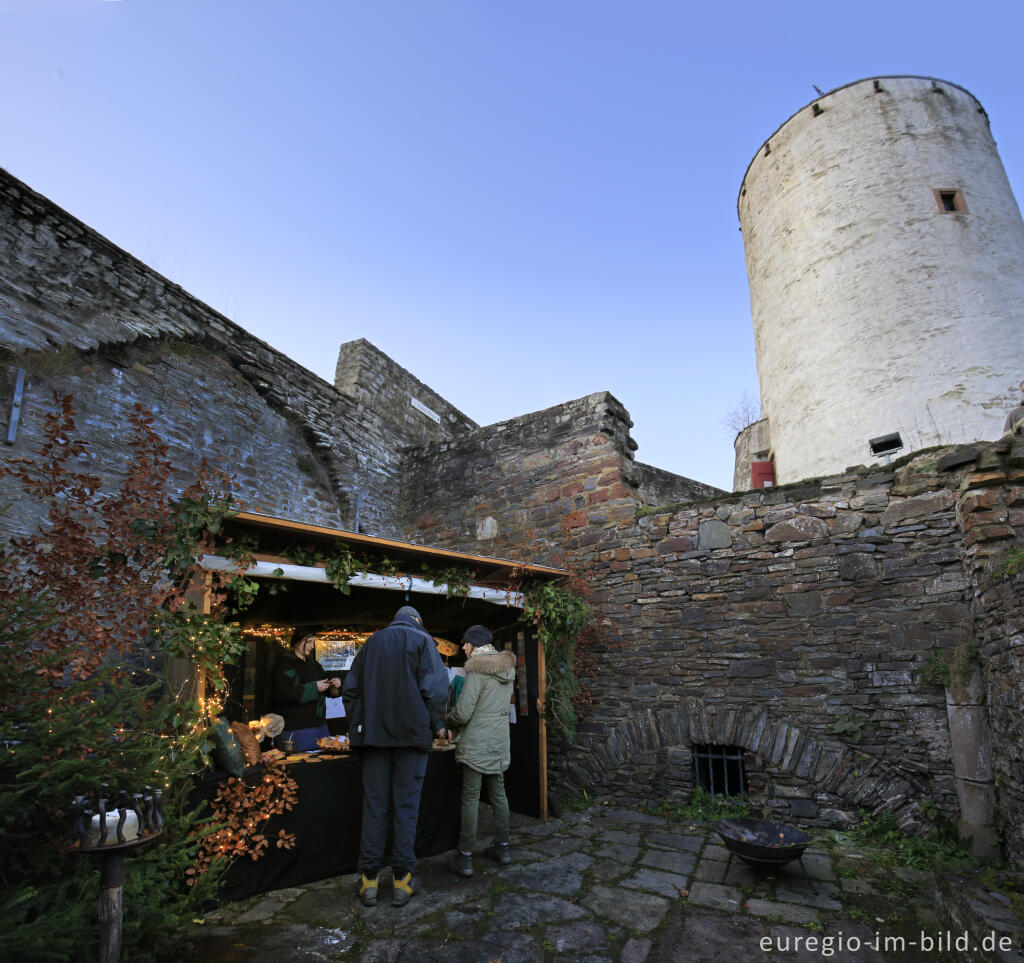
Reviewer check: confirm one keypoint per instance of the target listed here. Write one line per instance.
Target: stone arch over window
(642, 751)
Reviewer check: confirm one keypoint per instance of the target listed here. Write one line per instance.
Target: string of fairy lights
(331, 641)
(334, 641)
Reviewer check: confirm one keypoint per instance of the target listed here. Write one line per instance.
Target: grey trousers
(392, 784)
(494, 786)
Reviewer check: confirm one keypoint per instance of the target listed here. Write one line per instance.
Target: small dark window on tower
(719, 770)
(950, 200)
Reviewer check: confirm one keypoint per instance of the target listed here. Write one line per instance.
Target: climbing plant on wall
(1013, 564)
(559, 616)
(81, 699)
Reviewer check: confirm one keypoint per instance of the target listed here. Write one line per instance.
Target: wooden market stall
(289, 559)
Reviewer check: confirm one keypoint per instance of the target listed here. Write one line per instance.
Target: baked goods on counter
(333, 744)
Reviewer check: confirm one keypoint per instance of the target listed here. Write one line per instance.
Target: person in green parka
(482, 748)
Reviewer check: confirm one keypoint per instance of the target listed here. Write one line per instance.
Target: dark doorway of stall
(364, 610)
(523, 777)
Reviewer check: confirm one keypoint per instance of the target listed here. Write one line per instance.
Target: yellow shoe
(368, 891)
(405, 888)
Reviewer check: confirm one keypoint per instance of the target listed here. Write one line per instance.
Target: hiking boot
(462, 864)
(499, 852)
(368, 890)
(405, 888)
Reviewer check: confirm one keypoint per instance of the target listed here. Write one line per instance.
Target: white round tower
(885, 254)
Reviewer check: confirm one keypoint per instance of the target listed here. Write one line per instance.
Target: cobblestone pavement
(602, 885)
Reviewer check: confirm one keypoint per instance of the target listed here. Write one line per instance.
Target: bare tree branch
(743, 414)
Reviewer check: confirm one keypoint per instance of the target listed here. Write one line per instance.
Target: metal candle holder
(142, 812)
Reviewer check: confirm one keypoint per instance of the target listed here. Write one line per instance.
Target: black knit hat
(478, 635)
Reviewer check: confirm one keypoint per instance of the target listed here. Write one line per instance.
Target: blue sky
(521, 201)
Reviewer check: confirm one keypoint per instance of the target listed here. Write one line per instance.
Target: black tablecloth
(326, 821)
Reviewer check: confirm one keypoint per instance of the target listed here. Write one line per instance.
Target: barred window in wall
(719, 770)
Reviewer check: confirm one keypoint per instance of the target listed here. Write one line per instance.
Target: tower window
(950, 200)
(719, 770)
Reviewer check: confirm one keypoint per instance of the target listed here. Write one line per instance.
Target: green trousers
(494, 785)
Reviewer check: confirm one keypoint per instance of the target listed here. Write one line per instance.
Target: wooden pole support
(111, 911)
(542, 730)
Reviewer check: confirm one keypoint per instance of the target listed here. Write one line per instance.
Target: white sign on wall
(419, 406)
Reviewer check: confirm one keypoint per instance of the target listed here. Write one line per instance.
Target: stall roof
(278, 532)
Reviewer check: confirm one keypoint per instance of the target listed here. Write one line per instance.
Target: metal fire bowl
(761, 842)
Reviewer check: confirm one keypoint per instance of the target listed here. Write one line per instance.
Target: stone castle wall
(991, 512)
(802, 624)
(393, 400)
(515, 489)
(791, 622)
(799, 624)
(658, 487)
(81, 316)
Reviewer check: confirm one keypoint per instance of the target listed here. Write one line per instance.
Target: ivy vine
(559, 615)
(342, 563)
(205, 640)
(341, 566)
(456, 580)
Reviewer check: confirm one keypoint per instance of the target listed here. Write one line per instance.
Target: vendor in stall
(301, 687)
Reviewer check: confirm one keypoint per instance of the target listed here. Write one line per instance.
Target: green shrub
(702, 807)
(891, 846)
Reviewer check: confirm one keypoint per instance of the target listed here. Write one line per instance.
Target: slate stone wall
(655, 486)
(794, 622)
(81, 316)
(518, 488)
(201, 405)
(991, 510)
(392, 399)
(790, 622)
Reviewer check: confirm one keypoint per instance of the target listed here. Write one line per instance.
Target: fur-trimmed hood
(488, 660)
(482, 711)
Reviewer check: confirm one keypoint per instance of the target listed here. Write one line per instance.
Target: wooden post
(110, 908)
(542, 730)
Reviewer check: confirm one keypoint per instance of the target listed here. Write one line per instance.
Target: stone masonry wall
(394, 399)
(515, 489)
(200, 404)
(794, 622)
(991, 511)
(656, 486)
(790, 622)
(82, 316)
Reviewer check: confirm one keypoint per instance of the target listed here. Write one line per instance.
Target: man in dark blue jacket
(395, 696)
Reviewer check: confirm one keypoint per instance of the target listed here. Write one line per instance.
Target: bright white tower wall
(875, 309)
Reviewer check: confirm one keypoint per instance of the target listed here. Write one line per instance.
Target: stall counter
(326, 822)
